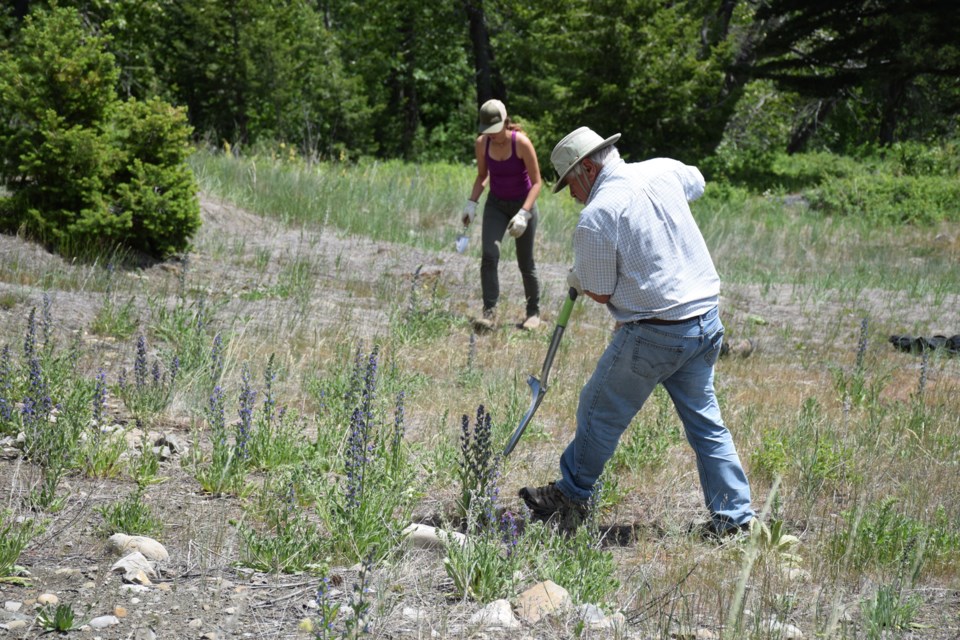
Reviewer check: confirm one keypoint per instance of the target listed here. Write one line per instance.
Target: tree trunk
(489, 83)
(893, 94)
(808, 126)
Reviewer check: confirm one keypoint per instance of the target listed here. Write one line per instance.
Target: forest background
(726, 84)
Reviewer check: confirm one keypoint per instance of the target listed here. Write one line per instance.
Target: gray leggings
(497, 214)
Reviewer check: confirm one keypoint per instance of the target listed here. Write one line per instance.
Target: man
(638, 250)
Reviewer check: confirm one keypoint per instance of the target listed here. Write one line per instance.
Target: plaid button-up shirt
(637, 242)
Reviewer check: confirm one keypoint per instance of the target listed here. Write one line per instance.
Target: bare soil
(201, 592)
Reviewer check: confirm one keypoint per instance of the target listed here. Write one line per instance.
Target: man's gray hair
(602, 156)
(598, 157)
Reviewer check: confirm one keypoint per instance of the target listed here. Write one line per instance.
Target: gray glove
(574, 281)
(469, 211)
(518, 224)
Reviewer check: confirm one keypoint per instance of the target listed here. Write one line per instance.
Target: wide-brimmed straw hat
(574, 147)
(493, 116)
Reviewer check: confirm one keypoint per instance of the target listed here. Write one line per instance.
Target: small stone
(137, 577)
(148, 547)
(782, 630)
(423, 536)
(196, 623)
(102, 622)
(133, 588)
(230, 611)
(12, 606)
(164, 586)
(90, 584)
(14, 625)
(496, 615)
(134, 562)
(46, 599)
(119, 611)
(542, 600)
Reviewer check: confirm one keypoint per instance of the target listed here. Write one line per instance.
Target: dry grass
(841, 455)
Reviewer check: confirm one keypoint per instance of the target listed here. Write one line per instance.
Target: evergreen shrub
(82, 170)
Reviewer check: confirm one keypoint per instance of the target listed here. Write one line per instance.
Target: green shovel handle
(567, 308)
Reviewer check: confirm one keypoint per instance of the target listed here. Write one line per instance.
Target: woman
(507, 157)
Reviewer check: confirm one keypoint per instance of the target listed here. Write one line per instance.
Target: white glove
(574, 281)
(469, 211)
(519, 223)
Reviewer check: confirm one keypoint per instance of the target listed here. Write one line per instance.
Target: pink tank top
(509, 179)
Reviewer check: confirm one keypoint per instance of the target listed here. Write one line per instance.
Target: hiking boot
(714, 531)
(531, 323)
(486, 321)
(549, 504)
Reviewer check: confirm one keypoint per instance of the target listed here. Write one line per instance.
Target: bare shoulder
(523, 139)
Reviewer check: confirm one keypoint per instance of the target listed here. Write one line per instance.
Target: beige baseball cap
(493, 115)
(575, 146)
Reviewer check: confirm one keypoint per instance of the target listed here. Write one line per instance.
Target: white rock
(102, 622)
(413, 614)
(14, 625)
(150, 548)
(12, 606)
(424, 536)
(782, 630)
(133, 562)
(592, 615)
(133, 588)
(496, 615)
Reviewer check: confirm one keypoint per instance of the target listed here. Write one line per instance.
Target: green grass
(851, 445)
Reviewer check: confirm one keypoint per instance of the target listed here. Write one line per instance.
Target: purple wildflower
(30, 339)
(215, 412)
(509, 531)
(248, 397)
(216, 357)
(6, 385)
(398, 422)
(356, 459)
(268, 402)
(99, 398)
(140, 364)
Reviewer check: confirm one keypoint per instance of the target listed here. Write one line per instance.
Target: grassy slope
(844, 430)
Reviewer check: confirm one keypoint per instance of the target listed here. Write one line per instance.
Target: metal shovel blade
(538, 386)
(538, 393)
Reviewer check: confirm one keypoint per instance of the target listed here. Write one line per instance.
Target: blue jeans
(640, 356)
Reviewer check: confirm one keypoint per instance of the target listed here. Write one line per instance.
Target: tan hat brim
(561, 181)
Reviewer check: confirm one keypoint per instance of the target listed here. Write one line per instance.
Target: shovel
(463, 239)
(538, 386)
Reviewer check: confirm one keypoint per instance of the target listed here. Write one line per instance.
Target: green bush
(885, 199)
(83, 169)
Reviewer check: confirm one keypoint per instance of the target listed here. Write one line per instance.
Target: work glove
(469, 211)
(518, 224)
(574, 281)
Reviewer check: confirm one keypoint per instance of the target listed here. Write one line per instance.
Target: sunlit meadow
(314, 357)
